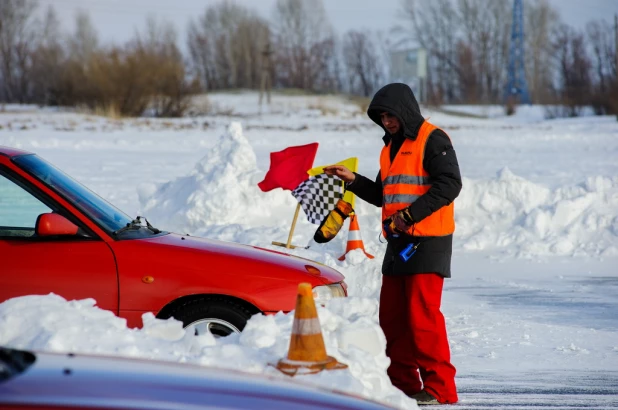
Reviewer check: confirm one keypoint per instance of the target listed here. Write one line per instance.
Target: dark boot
(423, 398)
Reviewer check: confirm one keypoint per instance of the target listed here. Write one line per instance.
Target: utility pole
(616, 42)
(266, 81)
(517, 87)
(616, 46)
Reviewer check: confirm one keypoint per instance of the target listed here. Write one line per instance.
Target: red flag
(288, 168)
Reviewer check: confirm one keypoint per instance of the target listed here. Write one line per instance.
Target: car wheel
(219, 316)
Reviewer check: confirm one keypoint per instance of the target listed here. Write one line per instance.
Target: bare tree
(541, 20)
(363, 65)
(164, 77)
(200, 55)
(436, 27)
(250, 40)
(601, 38)
(17, 39)
(47, 60)
(574, 69)
(469, 86)
(485, 41)
(73, 85)
(304, 44)
(85, 40)
(467, 43)
(225, 46)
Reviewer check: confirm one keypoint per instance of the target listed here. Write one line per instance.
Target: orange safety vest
(405, 180)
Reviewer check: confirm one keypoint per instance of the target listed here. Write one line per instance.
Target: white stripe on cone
(306, 327)
(355, 236)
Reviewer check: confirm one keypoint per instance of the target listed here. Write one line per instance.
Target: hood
(398, 99)
(237, 257)
(89, 381)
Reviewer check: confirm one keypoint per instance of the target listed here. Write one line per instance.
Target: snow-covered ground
(525, 113)
(531, 309)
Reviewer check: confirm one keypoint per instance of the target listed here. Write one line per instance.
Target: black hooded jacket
(434, 253)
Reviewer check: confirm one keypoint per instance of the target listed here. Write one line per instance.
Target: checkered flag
(318, 195)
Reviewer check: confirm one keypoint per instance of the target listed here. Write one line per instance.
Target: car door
(74, 267)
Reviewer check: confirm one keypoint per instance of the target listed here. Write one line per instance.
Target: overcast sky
(117, 20)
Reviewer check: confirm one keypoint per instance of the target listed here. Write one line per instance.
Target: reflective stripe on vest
(400, 198)
(405, 180)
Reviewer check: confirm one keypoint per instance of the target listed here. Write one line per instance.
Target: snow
(523, 113)
(51, 323)
(220, 190)
(532, 298)
(535, 221)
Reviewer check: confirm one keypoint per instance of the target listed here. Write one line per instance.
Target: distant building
(409, 66)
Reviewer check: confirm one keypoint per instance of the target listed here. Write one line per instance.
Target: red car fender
(154, 272)
(147, 274)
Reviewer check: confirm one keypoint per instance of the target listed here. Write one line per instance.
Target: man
(418, 180)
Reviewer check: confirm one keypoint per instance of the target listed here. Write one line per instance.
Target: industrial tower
(517, 87)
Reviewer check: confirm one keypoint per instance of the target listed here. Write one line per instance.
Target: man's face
(390, 122)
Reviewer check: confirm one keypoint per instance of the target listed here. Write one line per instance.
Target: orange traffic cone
(307, 353)
(354, 239)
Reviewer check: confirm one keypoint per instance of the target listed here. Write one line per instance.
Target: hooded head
(398, 100)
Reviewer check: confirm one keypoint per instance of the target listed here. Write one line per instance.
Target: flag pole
(289, 245)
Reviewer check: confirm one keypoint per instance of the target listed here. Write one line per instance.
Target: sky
(117, 20)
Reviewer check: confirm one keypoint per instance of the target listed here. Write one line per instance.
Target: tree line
(468, 43)
(230, 46)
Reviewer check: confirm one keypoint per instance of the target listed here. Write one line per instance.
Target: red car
(58, 236)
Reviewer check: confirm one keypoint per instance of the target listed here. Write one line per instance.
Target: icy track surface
(531, 309)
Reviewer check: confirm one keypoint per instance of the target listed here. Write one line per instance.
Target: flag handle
(289, 245)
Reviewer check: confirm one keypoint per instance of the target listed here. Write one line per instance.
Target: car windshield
(104, 214)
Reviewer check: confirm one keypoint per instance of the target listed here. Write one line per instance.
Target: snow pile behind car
(507, 215)
(220, 191)
(50, 323)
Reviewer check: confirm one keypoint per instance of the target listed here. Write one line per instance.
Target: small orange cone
(307, 353)
(354, 239)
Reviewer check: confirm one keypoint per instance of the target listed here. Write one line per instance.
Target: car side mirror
(53, 225)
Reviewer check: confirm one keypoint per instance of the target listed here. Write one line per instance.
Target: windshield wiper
(152, 228)
(136, 224)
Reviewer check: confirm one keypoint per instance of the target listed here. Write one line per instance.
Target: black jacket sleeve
(366, 189)
(440, 162)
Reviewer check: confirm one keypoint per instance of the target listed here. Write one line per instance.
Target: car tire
(219, 316)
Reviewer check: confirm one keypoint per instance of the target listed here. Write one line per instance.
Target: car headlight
(324, 293)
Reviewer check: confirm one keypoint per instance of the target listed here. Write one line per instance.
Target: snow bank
(50, 323)
(245, 104)
(507, 215)
(521, 218)
(220, 191)
(523, 113)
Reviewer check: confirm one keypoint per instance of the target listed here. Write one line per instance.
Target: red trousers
(415, 332)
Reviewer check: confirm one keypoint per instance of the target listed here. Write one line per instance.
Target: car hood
(87, 381)
(252, 254)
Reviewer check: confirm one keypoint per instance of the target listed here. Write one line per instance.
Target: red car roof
(12, 152)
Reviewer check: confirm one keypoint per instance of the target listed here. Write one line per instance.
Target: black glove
(398, 223)
(331, 225)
